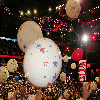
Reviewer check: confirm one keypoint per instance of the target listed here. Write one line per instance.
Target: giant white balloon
(12, 65)
(42, 62)
(28, 32)
(3, 74)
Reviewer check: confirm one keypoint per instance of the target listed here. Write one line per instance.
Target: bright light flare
(21, 13)
(85, 38)
(28, 12)
(48, 33)
(56, 7)
(50, 9)
(35, 11)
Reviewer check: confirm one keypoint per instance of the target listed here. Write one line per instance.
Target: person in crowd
(86, 91)
(85, 94)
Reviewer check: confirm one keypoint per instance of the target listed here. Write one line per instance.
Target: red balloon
(77, 55)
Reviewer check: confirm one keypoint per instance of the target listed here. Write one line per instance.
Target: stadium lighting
(85, 38)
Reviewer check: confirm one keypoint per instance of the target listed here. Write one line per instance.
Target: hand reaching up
(86, 91)
(22, 90)
(15, 93)
(17, 90)
(38, 95)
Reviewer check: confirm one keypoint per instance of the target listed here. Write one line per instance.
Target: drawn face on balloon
(73, 8)
(3, 74)
(28, 32)
(65, 58)
(73, 65)
(63, 76)
(66, 93)
(12, 65)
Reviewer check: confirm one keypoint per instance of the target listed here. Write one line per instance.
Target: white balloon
(42, 62)
(73, 65)
(28, 32)
(3, 74)
(63, 76)
(65, 58)
(10, 95)
(31, 97)
(12, 65)
(73, 8)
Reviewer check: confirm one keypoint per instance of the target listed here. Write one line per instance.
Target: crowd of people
(53, 92)
(9, 47)
(22, 89)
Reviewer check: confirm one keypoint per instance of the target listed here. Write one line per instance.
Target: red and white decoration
(82, 70)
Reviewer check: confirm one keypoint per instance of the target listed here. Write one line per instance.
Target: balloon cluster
(77, 55)
(43, 59)
(4, 71)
